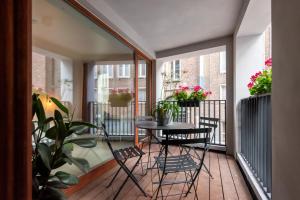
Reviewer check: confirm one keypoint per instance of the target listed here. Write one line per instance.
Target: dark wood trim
(15, 101)
(91, 176)
(136, 93)
(80, 8)
(84, 111)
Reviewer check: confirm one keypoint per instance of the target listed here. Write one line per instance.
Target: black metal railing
(256, 129)
(119, 121)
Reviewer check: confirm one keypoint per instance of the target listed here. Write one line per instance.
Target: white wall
(286, 100)
(250, 58)
(159, 81)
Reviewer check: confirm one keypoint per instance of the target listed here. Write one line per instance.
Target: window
(142, 94)
(142, 70)
(176, 70)
(107, 69)
(222, 62)
(124, 71)
(222, 91)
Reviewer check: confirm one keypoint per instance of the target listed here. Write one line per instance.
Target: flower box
(193, 103)
(119, 99)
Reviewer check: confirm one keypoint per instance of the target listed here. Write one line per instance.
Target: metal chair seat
(178, 163)
(127, 153)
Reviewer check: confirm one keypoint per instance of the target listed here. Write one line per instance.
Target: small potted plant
(261, 82)
(120, 98)
(165, 111)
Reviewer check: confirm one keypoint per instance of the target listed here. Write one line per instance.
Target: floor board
(226, 183)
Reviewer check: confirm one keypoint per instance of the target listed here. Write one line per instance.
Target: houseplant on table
(261, 82)
(185, 98)
(53, 139)
(165, 111)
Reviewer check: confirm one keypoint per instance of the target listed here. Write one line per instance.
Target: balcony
(227, 183)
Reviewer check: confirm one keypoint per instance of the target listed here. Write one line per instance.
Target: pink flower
(197, 88)
(250, 85)
(268, 62)
(184, 88)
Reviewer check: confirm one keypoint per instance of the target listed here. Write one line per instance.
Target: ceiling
(165, 24)
(61, 30)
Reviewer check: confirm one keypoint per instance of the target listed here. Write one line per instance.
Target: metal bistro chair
(185, 162)
(209, 122)
(121, 156)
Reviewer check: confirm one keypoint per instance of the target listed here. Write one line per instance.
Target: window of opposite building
(176, 70)
(142, 70)
(107, 69)
(222, 91)
(124, 71)
(222, 62)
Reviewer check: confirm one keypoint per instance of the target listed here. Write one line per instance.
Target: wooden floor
(227, 183)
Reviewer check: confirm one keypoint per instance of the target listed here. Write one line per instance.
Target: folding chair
(185, 162)
(210, 123)
(121, 156)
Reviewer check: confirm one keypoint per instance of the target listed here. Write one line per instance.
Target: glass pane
(69, 49)
(143, 90)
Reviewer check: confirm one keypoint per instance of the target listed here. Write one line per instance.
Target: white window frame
(222, 62)
(221, 92)
(107, 69)
(141, 74)
(123, 67)
(173, 64)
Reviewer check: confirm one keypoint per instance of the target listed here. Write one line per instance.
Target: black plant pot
(192, 103)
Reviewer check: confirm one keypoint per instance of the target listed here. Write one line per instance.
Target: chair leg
(129, 175)
(207, 170)
(116, 174)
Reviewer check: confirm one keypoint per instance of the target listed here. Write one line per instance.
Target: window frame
(123, 67)
(173, 70)
(221, 92)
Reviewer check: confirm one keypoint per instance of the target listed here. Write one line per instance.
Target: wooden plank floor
(227, 183)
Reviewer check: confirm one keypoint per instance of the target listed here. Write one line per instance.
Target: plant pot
(163, 119)
(119, 103)
(192, 103)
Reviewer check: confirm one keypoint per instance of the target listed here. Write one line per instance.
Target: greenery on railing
(62, 132)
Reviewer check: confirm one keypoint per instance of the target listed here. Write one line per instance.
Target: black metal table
(151, 126)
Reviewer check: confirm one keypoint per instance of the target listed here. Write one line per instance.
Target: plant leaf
(82, 142)
(45, 153)
(67, 178)
(60, 105)
(79, 123)
(78, 129)
(81, 163)
(51, 133)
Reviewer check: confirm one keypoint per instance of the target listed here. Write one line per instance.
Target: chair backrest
(209, 122)
(186, 136)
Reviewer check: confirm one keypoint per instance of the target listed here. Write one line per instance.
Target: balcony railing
(120, 120)
(256, 129)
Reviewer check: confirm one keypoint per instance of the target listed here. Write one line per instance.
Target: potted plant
(165, 111)
(261, 82)
(53, 140)
(185, 99)
(120, 98)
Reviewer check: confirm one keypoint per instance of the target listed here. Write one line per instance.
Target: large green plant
(63, 133)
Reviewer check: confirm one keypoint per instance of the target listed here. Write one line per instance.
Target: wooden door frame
(15, 101)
